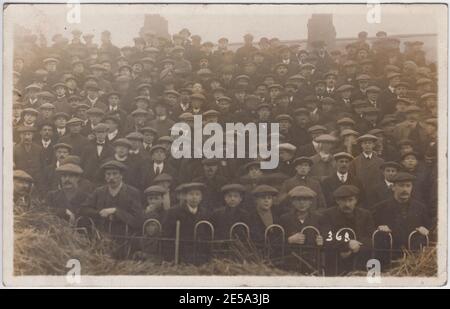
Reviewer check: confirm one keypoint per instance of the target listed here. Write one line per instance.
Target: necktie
(158, 170)
(342, 178)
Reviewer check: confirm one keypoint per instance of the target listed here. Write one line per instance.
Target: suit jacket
(379, 193)
(402, 219)
(48, 154)
(128, 204)
(368, 172)
(361, 222)
(148, 175)
(162, 126)
(223, 219)
(292, 225)
(331, 183)
(29, 161)
(78, 143)
(91, 161)
(321, 169)
(258, 228)
(59, 202)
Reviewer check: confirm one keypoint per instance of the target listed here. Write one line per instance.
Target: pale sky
(213, 21)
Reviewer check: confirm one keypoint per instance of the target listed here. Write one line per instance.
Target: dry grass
(43, 243)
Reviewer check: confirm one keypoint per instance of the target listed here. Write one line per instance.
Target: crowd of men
(358, 134)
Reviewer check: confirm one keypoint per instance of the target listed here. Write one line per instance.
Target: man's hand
(297, 238)
(384, 228)
(422, 230)
(107, 212)
(345, 254)
(319, 240)
(354, 245)
(71, 216)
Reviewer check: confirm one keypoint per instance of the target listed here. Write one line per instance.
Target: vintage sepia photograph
(224, 144)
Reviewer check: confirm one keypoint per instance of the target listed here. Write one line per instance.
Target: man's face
(135, 144)
(69, 181)
(401, 91)
(347, 204)
(112, 125)
(401, 106)
(286, 155)
(29, 118)
(21, 187)
(285, 125)
(160, 110)
(367, 146)
(27, 137)
(410, 162)
(263, 114)
(303, 169)
(264, 202)
(75, 128)
(363, 84)
(371, 117)
(254, 172)
(326, 108)
(95, 119)
(233, 199)
(194, 197)
(140, 120)
(302, 204)
(389, 173)
(210, 170)
(60, 91)
(113, 177)
(61, 153)
(155, 201)
(50, 66)
(273, 92)
(149, 137)
(342, 165)
(240, 96)
(282, 70)
(302, 120)
(331, 81)
(121, 151)
(46, 132)
(372, 95)
(158, 155)
(171, 99)
(113, 100)
(100, 136)
(320, 88)
(402, 191)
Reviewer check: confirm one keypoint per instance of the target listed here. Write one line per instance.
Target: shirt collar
(367, 156)
(192, 210)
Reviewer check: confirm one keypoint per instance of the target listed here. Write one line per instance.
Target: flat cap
(393, 75)
(301, 111)
(112, 117)
(162, 178)
(370, 110)
(30, 110)
(328, 100)
(409, 153)
(303, 160)
(302, 191)
(156, 147)
(135, 136)
(345, 87)
(287, 147)
(326, 138)
(101, 127)
(428, 95)
(232, 187)
(165, 139)
(373, 89)
(210, 113)
(95, 111)
(363, 77)
(317, 128)
(122, 142)
(61, 114)
(367, 137)
(264, 189)
(198, 96)
(345, 191)
(62, 145)
(193, 186)
(157, 190)
(22, 175)
(113, 165)
(412, 109)
(403, 176)
(47, 106)
(423, 81)
(391, 164)
(139, 112)
(342, 154)
(69, 168)
(346, 120)
(23, 129)
(148, 129)
(73, 121)
(282, 117)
